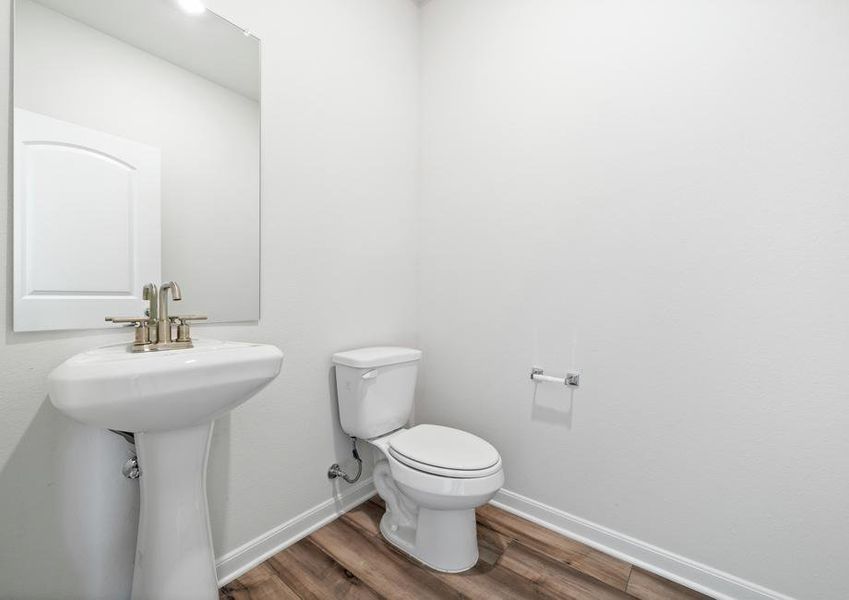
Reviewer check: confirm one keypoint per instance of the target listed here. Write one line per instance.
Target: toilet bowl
(430, 508)
(431, 477)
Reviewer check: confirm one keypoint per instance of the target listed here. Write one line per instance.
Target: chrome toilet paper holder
(572, 378)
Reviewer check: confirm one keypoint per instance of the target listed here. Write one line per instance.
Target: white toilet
(431, 477)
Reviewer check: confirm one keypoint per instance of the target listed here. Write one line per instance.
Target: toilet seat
(445, 452)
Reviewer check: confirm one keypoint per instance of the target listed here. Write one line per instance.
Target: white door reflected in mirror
(87, 223)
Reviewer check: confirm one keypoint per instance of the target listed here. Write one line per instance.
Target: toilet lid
(445, 451)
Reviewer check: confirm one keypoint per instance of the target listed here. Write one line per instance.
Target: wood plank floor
(349, 559)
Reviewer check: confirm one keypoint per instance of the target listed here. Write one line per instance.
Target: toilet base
(443, 540)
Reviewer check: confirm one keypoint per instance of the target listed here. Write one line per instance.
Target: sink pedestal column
(174, 556)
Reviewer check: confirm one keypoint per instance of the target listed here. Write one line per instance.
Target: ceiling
(207, 45)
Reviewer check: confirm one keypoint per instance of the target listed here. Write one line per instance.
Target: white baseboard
(690, 573)
(246, 557)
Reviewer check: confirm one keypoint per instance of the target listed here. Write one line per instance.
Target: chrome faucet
(154, 330)
(163, 328)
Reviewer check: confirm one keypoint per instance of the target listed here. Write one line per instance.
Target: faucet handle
(135, 321)
(182, 323)
(180, 319)
(141, 325)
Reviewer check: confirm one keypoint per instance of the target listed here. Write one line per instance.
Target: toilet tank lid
(377, 356)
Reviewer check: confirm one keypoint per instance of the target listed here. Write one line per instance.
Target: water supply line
(337, 471)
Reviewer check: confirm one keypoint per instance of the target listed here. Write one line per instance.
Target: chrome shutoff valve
(131, 469)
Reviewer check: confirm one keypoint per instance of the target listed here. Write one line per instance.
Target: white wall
(209, 137)
(338, 256)
(656, 192)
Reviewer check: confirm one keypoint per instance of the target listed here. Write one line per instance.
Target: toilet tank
(375, 389)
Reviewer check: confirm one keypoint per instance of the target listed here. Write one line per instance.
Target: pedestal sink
(169, 400)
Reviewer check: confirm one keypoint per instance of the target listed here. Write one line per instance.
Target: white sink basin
(114, 388)
(169, 400)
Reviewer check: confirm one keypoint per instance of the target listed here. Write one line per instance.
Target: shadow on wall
(552, 404)
(66, 510)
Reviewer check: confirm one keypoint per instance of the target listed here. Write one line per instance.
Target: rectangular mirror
(136, 160)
